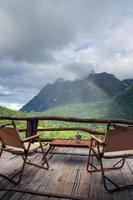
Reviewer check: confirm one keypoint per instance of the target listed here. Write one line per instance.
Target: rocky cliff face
(95, 88)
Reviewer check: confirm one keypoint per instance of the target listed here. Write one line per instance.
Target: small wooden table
(64, 143)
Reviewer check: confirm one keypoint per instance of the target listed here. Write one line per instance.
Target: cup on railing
(78, 137)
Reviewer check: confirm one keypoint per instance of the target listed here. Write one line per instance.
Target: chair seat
(118, 154)
(20, 151)
(115, 154)
(117, 144)
(33, 146)
(11, 142)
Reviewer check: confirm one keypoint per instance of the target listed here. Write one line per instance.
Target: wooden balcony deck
(67, 176)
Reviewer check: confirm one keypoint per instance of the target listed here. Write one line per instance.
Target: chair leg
(104, 178)
(20, 176)
(116, 186)
(44, 155)
(122, 164)
(45, 162)
(24, 157)
(90, 163)
(23, 166)
(95, 169)
(50, 150)
(90, 160)
(102, 169)
(44, 158)
(1, 152)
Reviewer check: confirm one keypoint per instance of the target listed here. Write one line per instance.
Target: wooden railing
(32, 123)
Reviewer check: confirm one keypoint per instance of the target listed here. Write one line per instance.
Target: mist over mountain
(100, 87)
(107, 82)
(62, 93)
(128, 82)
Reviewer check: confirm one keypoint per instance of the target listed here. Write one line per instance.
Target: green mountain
(108, 83)
(7, 112)
(122, 105)
(90, 110)
(99, 95)
(95, 88)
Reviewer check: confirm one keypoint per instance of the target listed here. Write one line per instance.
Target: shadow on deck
(67, 175)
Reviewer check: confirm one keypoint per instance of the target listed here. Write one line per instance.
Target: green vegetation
(63, 134)
(89, 110)
(101, 109)
(75, 110)
(94, 88)
(7, 112)
(99, 96)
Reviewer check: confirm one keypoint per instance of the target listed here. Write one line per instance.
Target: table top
(70, 143)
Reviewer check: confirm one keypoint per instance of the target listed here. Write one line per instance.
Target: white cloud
(13, 106)
(122, 64)
(41, 41)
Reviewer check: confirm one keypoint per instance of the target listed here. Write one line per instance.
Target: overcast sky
(42, 40)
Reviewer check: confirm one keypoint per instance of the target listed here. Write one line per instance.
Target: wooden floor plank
(67, 175)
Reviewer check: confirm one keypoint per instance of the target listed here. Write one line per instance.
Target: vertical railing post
(35, 125)
(32, 125)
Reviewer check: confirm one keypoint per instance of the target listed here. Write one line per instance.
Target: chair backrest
(119, 138)
(10, 136)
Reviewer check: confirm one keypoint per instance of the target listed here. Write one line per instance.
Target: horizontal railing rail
(69, 119)
(33, 121)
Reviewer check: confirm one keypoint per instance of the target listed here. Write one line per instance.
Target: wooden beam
(87, 130)
(70, 119)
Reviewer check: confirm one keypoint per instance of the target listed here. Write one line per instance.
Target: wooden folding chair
(118, 143)
(11, 142)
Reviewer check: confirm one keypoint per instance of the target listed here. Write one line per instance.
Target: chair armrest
(30, 138)
(97, 140)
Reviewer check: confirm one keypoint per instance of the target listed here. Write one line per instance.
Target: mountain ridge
(95, 88)
(114, 94)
